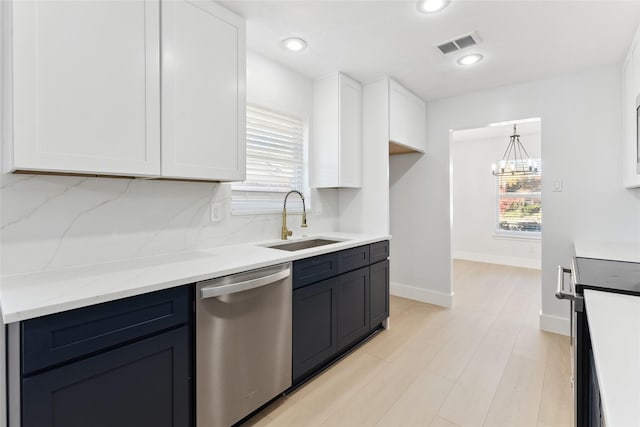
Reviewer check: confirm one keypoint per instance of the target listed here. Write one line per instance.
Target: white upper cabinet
(416, 123)
(336, 147)
(628, 119)
(407, 120)
(630, 103)
(203, 92)
(85, 87)
(85, 80)
(398, 109)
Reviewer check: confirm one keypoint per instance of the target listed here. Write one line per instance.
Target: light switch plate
(557, 186)
(216, 212)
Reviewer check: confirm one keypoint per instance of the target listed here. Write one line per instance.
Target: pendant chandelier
(515, 160)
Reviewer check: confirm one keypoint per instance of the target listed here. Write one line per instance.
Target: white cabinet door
(85, 87)
(635, 64)
(416, 123)
(336, 146)
(350, 133)
(203, 92)
(407, 118)
(630, 89)
(398, 100)
(324, 153)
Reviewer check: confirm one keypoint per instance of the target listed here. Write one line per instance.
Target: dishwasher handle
(217, 291)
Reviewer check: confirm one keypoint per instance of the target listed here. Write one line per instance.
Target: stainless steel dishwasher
(243, 343)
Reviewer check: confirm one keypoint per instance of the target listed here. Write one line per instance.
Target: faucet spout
(285, 231)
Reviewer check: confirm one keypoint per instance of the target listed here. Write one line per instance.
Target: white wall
(51, 222)
(581, 145)
(474, 197)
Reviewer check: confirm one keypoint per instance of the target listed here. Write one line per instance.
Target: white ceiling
(522, 40)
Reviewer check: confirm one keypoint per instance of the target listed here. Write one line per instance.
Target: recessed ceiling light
(471, 59)
(430, 6)
(294, 44)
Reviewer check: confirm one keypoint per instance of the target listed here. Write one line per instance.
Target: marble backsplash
(51, 222)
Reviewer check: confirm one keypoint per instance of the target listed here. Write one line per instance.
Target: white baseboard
(557, 325)
(498, 259)
(422, 295)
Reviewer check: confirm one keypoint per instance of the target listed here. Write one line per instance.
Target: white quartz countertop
(27, 296)
(614, 326)
(616, 251)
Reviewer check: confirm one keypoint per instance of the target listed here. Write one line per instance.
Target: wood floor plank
(316, 401)
(516, 401)
(370, 404)
(404, 327)
(419, 404)
(454, 355)
(260, 420)
(441, 422)
(556, 405)
(471, 397)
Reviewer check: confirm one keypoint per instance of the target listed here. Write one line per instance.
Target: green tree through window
(519, 202)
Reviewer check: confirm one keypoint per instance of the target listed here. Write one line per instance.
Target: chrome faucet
(285, 231)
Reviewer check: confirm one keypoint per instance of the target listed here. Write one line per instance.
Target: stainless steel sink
(304, 244)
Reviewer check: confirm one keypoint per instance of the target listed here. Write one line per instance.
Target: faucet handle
(289, 233)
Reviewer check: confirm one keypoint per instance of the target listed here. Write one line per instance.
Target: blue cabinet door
(315, 333)
(379, 293)
(144, 384)
(353, 307)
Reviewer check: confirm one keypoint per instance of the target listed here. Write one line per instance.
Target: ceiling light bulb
(471, 59)
(430, 6)
(294, 44)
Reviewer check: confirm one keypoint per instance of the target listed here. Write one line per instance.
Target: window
(519, 210)
(275, 163)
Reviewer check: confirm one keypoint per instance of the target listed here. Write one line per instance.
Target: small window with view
(519, 210)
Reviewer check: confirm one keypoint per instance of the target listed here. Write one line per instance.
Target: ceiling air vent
(459, 43)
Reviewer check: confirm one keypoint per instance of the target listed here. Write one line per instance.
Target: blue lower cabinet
(332, 315)
(139, 373)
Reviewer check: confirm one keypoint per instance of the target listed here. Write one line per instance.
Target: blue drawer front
(379, 251)
(58, 338)
(314, 269)
(352, 259)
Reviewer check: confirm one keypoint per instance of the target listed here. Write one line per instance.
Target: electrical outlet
(216, 212)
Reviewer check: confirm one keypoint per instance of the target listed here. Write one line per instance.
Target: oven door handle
(561, 293)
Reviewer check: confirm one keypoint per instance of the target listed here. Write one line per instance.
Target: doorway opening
(496, 220)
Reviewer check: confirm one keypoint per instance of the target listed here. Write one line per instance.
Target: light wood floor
(483, 363)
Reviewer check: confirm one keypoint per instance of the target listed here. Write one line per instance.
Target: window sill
(517, 235)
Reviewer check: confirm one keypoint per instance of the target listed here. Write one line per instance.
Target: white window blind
(519, 209)
(275, 163)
